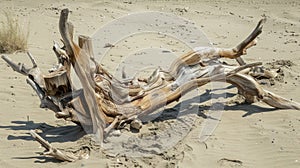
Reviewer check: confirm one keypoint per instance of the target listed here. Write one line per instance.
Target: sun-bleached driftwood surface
(105, 102)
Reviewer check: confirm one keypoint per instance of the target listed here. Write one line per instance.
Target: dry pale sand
(247, 135)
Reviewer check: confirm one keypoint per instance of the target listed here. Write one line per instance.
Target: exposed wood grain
(104, 102)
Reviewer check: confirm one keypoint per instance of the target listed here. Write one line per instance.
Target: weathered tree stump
(96, 106)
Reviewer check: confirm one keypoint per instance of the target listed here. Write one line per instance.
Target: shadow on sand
(52, 134)
(71, 133)
(172, 113)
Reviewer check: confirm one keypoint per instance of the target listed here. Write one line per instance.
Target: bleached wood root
(104, 102)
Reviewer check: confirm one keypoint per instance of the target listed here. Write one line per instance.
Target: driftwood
(51, 151)
(104, 102)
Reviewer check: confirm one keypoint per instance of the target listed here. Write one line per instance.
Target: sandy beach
(247, 135)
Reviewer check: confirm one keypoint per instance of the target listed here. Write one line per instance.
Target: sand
(246, 136)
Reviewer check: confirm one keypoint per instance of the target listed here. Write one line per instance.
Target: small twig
(240, 60)
(240, 68)
(34, 65)
(16, 67)
(257, 31)
(38, 138)
(45, 101)
(36, 88)
(60, 53)
(51, 151)
(231, 160)
(112, 125)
